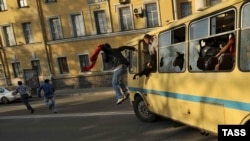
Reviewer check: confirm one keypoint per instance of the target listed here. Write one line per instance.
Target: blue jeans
(50, 101)
(118, 81)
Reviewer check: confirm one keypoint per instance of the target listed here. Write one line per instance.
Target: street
(87, 115)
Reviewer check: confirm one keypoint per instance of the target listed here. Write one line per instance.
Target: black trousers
(25, 100)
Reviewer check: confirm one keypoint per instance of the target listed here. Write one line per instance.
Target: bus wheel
(142, 112)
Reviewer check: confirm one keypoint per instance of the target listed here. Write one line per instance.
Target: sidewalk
(88, 91)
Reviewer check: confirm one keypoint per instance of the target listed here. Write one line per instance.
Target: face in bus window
(147, 40)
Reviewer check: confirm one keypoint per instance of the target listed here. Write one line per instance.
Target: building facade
(56, 37)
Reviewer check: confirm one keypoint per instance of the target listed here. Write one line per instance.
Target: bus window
(222, 22)
(199, 29)
(165, 39)
(133, 61)
(171, 50)
(216, 51)
(244, 55)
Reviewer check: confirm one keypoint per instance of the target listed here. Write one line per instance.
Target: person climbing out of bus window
(151, 41)
(226, 55)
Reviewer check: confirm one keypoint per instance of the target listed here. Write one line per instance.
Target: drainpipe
(175, 10)
(47, 48)
(5, 64)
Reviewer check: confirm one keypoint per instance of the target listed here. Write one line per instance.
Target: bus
(191, 92)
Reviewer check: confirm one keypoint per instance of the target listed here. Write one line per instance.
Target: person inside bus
(207, 52)
(150, 66)
(226, 55)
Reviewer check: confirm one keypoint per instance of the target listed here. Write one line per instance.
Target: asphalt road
(87, 115)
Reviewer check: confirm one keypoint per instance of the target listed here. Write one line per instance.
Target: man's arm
(40, 89)
(121, 48)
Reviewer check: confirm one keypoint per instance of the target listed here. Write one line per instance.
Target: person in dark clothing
(49, 97)
(22, 90)
(119, 63)
(151, 64)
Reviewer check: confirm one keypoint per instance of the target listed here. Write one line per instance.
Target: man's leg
(53, 104)
(122, 84)
(24, 98)
(116, 86)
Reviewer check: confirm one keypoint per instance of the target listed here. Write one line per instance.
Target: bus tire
(142, 112)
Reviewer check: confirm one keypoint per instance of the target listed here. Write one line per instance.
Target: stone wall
(84, 81)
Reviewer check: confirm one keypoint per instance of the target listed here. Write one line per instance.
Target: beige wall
(71, 47)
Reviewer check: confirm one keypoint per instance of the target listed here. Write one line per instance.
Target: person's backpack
(207, 59)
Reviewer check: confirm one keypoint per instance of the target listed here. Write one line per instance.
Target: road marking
(68, 115)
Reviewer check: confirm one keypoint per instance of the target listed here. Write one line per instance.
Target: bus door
(138, 60)
(144, 58)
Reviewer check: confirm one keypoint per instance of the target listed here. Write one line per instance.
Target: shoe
(55, 112)
(32, 110)
(119, 101)
(126, 96)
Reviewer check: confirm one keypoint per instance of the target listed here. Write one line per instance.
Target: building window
(186, 9)
(95, 1)
(77, 25)
(106, 66)
(9, 35)
(152, 15)
(63, 65)
(49, 1)
(3, 5)
(101, 23)
(17, 71)
(35, 64)
(84, 61)
(27, 30)
(55, 28)
(22, 3)
(214, 2)
(1, 71)
(125, 19)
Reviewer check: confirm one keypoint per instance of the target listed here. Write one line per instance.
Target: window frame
(27, 28)
(3, 5)
(195, 43)
(184, 13)
(81, 25)
(63, 65)
(22, 3)
(127, 16)
(83, 61)
(50, 1)
(55, 33)
(39, 71)
(155, 23)
(101, 28)
(9, 40)
(170, 49)
(17, 69)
